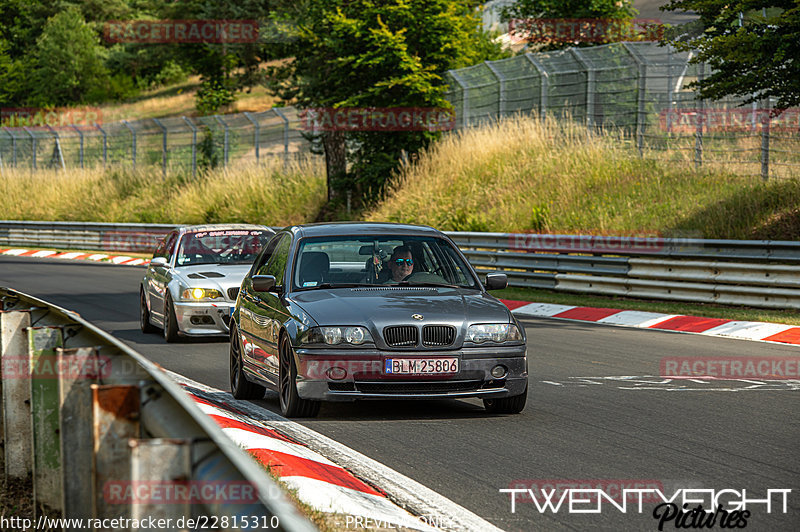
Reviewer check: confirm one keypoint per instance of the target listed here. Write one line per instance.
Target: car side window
(171, 241)
(264, 257)
(166, 246)
(277, 262)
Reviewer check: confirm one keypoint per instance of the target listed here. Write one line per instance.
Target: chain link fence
(636, 91)
(166, 142)
(640, 92)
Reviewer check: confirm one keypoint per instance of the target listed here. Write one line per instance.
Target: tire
(144, 316)
(241, 388)
(170, 322)
(507, 405)
(292, 405)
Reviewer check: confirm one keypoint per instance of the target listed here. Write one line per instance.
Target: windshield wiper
(335, 285)
(428, 283)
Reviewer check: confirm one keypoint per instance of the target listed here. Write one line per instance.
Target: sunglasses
(400, 262)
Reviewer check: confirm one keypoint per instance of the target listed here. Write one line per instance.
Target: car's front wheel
(144, 316)
(292, 405)
(170, 321)
(507, 405)
(241, 388)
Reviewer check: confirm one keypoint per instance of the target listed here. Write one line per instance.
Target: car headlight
(335, 336)
(200, 294)
(493, 332)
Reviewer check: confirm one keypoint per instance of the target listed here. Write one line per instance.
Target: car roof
(221, 227)
(361, 228)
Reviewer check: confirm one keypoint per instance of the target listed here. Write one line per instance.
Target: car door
(160, 275)
(260, 312)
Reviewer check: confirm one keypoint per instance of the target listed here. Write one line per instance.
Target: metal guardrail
(758, 273)
(98, 426)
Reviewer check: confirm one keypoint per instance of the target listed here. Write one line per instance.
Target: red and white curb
(742, 330)
(322, 470)
(75, 255)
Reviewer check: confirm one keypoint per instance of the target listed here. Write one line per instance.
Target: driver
(401, 263)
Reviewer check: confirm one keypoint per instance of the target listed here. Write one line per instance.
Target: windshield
(232, 246)
(389, 260)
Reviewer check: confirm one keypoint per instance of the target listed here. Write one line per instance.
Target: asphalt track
(583, 423)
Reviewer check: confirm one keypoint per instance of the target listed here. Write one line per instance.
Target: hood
(380, 307)
(213, 275)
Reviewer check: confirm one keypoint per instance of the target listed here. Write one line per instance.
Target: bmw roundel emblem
(417, 316)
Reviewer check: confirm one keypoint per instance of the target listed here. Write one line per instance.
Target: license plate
(420, 366)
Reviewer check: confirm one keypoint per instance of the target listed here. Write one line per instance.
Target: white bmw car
(193, 279)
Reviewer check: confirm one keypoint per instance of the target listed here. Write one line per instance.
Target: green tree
(752, 46)
(361, 53)
(621, 10)
(68, 63)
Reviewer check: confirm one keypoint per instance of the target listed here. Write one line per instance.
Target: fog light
(498, 372)
(336, 373)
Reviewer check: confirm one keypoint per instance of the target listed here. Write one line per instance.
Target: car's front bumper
(203, 318)
(365, 377)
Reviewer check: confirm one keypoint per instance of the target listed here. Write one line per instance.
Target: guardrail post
(256, 132)
(163, 148)
(133, 142)
(17, 435)
(75, 402)
(765, 126)
(544, 82)
(225, 143)
(285, 135)
(115, 415)
(43, 342)
(80, 134)
(166, 463)
(105, 144)
(194, 146)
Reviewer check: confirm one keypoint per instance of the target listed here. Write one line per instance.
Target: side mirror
(496, 281)
(158, 261)
(263, 283)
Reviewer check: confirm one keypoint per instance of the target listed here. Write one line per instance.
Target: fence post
(765, 126)
(701, 115)
(194, 146)
(256, 132)
(464, 99)
(33, 147)
(13, 150)
(17, 433)
(501, 94)
(57, 154)
(670, 90)
(163, 147)
(590, 88)
(80, 134)
(225, 143)
(640, 96)
(105, 144)
(45, 415)
(544, 80)
(281, 114)
(133, 143)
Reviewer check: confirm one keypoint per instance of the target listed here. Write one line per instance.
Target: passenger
(401, 263)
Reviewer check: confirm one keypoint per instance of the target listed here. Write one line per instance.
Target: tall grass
(525, 174)
(267, 193)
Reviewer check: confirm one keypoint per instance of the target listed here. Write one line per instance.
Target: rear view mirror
(263, 283)
(496, 281)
